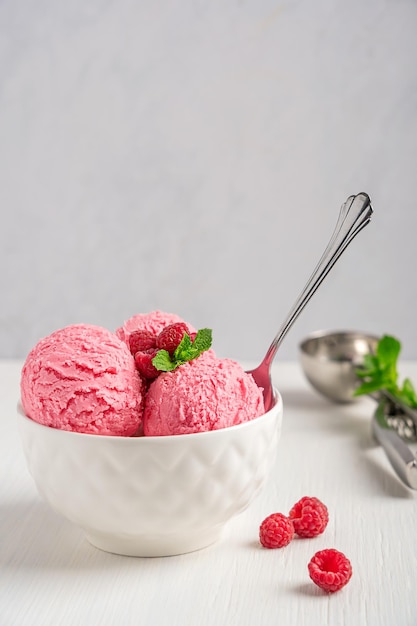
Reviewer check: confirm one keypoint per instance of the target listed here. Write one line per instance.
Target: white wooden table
(51, 575)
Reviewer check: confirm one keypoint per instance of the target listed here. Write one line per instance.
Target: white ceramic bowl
(152, 496)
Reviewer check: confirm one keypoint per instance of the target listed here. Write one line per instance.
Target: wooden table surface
(49, 573)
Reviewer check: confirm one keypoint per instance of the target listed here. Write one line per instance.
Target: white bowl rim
(276, 408)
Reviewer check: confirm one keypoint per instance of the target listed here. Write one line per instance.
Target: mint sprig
(187, 350)
(379, 372)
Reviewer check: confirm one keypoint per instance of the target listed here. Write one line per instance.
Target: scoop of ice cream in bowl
(146, 465)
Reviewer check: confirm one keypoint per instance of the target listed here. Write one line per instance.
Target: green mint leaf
(379, 372)
(369, 367)
(408, 394)
(369, 387)
(183, 349)
(187, 350)
(370, 361)
(203, 340)
(387, 351)
(162, 361)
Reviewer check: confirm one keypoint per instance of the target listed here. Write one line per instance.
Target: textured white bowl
(151, 496)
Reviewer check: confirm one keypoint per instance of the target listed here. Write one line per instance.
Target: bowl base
(153, 545)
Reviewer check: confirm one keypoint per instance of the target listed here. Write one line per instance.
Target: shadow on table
(384, 478)
(310, 590)
(353, 420)
(331, 416)
(303, 399)
(33, 536)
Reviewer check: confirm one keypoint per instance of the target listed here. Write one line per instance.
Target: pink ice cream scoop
(204, 394)
(152, 322)
(83, 378)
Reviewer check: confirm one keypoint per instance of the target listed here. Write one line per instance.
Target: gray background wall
(192, 156)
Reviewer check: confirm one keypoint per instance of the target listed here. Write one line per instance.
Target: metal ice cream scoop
(354, 215)
(329, 360)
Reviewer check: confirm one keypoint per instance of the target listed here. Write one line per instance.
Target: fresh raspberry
(144, 365)
(141, 340)
(170, 337)
(309, 516)
(276, 531)
(330, 569)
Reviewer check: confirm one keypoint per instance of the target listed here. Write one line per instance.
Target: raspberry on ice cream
(83, 378)
(141, 340)
(170, 337)
(200, 395)
(144, 365)
(153, 323)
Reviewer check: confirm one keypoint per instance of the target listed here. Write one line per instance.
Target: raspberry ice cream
(83, 378)
(156, 375)
(204, 394)
(152, 322)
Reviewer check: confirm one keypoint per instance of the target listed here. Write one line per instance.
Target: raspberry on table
(309, 517)
(144, 365)
(171, 336)
(276, 531)
(141, 340)
(330, 570)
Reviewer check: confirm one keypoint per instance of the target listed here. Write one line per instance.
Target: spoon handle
(354, 215)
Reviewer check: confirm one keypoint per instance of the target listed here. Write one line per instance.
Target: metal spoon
(329, 360)
(354, 215)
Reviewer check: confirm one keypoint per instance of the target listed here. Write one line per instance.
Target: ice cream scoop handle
(399, 454)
